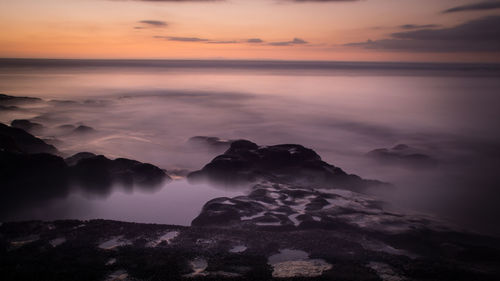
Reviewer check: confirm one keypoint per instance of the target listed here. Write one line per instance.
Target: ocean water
(147, 110)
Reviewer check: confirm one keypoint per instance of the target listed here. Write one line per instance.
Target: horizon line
(251, 60)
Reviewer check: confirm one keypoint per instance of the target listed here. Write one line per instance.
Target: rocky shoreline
(302, 219)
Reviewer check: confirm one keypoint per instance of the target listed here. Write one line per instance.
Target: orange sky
(220, 29)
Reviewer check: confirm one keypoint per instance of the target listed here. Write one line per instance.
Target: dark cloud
(418, 26)
(182, 39)
(298, 1)
(320, 1)
(481, 6)
(255, 40)
(223, 42)
(178, 0)
(154, 23)
(479, 35)
(295, 41)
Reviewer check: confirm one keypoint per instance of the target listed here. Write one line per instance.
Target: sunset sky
(357, 30)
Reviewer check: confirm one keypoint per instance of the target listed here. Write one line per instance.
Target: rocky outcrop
(211, 143)
(30, 172)
(27, 125)
(100, 171)
(82, 129)
(72, 160)
(402, 155)
(246, 162)
(12, 100)
(283, 206)
(18, 140)
(38, 250)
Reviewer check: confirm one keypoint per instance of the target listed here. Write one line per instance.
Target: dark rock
(402, 155)
(217, 212)
(53, 141)
(8, 108)
(82, 129)
(354, 255)
(10, 100)
(18, 140)
(211, 143)
(63, 102)
(29, 174)
(99, 171)
(27, 125)
(72, 160)
(28, 178)
(246, 162)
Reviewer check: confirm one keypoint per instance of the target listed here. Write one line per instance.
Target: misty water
(149, 113)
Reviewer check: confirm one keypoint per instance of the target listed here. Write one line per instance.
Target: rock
(10, 100)
(28, 174)
(67, 129)
(109, 247)
(99, 171)
(283, 207)
(8, 108)
(72, 160)
(82, 129)
(225, 212)
(211, 143)
(18, 140)
(27, 125)
(402, 155)
(246, 162)
(28, 178)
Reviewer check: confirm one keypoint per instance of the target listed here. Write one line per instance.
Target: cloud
(182, 39)
(295, 41)
(255, 40)
(481, 6)
(418, 26)
(320, 1)
(154, 23)
(479, 35)
(223, 42)
(178, 0)
(298, 1)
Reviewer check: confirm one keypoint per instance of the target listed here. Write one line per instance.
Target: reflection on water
(149, 113)
(176, 203)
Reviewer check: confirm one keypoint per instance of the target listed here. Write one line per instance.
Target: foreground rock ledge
(100, 250)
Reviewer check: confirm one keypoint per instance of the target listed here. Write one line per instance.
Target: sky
(347, 30)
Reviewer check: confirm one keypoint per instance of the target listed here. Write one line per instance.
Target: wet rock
(8, 107)
(27, 125)
(99, 171)
(226, 212)
(10, 100)
(72, 160)
(246, 162)
(402, 155)
(18, 140)
(289, 207)
(28, 178)
(211, 143)
(82, 129)
(106, 247)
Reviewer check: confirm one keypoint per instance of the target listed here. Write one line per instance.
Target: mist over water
(148, 113)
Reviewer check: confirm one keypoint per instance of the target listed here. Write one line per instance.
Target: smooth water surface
(149, 113)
